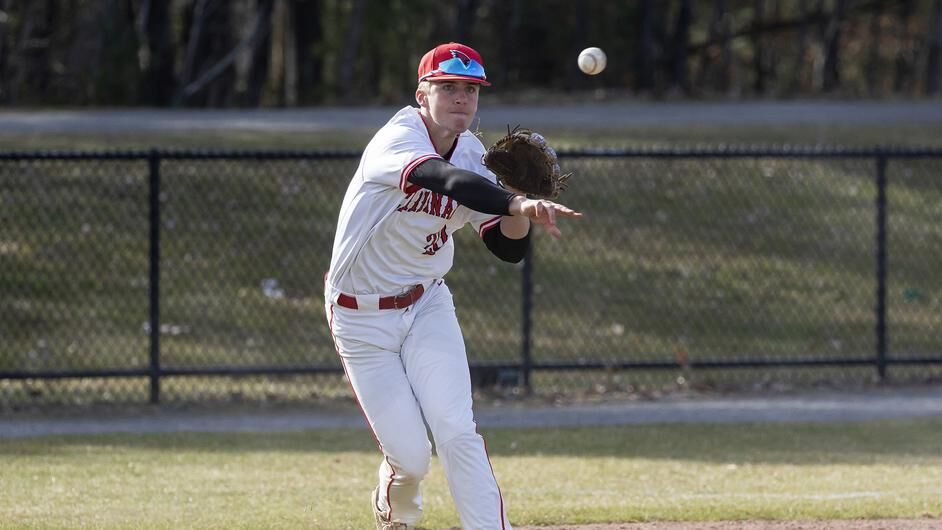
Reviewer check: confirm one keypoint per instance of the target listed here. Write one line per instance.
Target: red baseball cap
(452, 62)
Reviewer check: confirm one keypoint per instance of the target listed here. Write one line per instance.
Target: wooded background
(251, 53)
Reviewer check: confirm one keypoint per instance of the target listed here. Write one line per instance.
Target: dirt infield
(856, 524)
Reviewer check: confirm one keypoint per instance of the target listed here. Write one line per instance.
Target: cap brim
(453, 77)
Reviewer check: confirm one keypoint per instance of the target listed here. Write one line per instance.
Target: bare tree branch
(259, 31)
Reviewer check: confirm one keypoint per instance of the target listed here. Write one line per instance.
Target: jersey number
(436, 241)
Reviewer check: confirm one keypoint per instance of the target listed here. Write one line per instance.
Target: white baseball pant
(404, 364)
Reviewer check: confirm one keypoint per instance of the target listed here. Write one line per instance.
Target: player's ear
(421, 94)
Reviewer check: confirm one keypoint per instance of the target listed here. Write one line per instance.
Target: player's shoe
(382, 519)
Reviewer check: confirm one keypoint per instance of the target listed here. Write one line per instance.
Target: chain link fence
(185, 276)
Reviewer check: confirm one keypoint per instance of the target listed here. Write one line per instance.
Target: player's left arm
(508, 249)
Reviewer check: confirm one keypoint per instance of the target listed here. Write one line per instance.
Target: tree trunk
(905, 56)
(221, 92)
(157, 55)
(464, 20)
(644, 59)
(715, 58)
(832, 75)
(681, 40)
(261, 54)
(195, 23)
(876, 37)
(935, 45)
(308, 34)
(350, 52)
(208, 78)
(117, 73)
(4, 51)
(289, 44)
(662, 47)
(772, 53)
(30, 59)
(724, 19)
(574, 77)
(510, 19)
(802, 65)
(223, 69)
(760, 61)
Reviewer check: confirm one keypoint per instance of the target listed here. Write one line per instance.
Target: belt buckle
(406, 299)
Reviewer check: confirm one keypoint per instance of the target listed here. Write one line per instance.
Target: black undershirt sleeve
(477, 193)
(466, 187)
(505, 248)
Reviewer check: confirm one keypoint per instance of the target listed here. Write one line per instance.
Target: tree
(5, 23)
(760, 54)
(905, 56)
(574, 76)
(260, 47)
(645, 56)
(716, 58)
(308, 36)
(157, 53)
(832, 46)
(350, 51)
(681, 41)
(30, 64)
(935, 46)
(208, 69)
(464, 19)
(726, 71)
(876, 41)
(116, 71)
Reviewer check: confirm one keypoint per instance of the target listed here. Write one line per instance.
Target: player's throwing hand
(542, 212)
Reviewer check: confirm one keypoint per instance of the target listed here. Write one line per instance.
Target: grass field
(320, 479)
(683, 259)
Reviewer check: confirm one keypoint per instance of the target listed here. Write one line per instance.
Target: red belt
(386, 302)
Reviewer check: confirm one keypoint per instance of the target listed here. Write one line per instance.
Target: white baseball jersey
(392, 234)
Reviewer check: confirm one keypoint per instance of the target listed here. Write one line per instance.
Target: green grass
(320, 479)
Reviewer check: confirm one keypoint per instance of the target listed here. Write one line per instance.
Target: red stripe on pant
(503, 523)
(379, 444)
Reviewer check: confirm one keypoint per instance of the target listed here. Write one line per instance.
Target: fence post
(154, 180)
(527, 306)
(881, 267)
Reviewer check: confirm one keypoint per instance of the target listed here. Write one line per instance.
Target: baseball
(592, 60)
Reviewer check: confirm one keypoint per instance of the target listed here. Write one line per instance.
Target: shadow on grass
(878, 442)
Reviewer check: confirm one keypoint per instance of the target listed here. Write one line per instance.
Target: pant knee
(412, 464)
(450, 430)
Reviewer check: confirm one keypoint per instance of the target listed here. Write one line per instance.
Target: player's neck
(443, 139)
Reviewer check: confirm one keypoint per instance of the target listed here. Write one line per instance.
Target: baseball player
(390, 312)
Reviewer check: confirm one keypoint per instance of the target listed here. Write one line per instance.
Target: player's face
(452, 104)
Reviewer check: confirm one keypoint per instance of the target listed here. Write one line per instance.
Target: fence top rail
(704, 151)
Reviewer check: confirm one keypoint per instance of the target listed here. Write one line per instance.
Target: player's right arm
(508, 243)
(540, 211)
(479, 194)
(482, 195)
(466, 187)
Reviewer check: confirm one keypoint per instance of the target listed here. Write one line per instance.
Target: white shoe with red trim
(382, 518)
